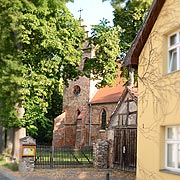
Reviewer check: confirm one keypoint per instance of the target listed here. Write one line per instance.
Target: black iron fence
(63, 157)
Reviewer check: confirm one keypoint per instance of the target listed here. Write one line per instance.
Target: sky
(92, 11)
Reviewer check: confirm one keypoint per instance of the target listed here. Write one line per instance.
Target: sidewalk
(68, 174)
(12, 175)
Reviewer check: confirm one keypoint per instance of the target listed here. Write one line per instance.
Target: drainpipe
(90, 123)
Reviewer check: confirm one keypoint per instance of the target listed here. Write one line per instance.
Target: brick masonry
(80, 123)
(74, 129)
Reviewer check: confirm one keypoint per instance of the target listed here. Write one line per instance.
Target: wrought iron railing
(63, 157)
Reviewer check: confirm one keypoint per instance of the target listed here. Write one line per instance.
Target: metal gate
(125, 147)
(63, 157)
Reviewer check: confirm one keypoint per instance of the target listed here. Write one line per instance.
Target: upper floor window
(174, 52)
(76, 90)
(172, 143)
(78, 112)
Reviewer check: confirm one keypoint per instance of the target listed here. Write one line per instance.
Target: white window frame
(175, 141)
(175, 47)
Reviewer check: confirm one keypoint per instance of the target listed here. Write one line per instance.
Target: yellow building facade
(156, 51)
(158, 156)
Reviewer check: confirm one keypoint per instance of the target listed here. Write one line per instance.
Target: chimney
(131, 77)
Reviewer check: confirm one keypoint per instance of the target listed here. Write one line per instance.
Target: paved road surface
(65, 174)
(2, 177)
(77, 174)
(6, 174)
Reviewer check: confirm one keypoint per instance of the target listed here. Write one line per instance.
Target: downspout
(90, 105)
(90, 123)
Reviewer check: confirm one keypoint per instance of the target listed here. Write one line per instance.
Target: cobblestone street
(78, 174)
(66, 174)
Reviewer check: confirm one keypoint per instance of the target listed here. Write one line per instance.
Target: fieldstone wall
(101, 153)
(26, 163)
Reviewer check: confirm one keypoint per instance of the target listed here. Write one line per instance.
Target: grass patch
(65, 156)
(10, 165)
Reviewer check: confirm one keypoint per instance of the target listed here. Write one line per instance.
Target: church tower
(86, 109)
(72, 127)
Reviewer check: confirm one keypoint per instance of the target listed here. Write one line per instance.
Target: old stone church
(86, 109)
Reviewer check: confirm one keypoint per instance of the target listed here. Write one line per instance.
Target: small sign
(28, 150)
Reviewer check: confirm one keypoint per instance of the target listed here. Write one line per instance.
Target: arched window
(78, 112)
(86, 67)
(103, 119)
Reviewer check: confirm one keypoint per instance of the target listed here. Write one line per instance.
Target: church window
(103, 119)
(78, 112)
(76, 90)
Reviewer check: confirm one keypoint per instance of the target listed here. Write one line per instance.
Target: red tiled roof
(108, 94)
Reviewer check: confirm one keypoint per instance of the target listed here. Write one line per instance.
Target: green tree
(44, 133)
(103, 66)
(129, 15)
(40, 50)
(39, 47)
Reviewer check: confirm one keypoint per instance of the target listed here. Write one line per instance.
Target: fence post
(101, 153)
(107, 172)
(107, 175)
(52, 157)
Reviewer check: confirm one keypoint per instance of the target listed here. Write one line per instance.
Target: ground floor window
(172, 146)
(103, 119)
